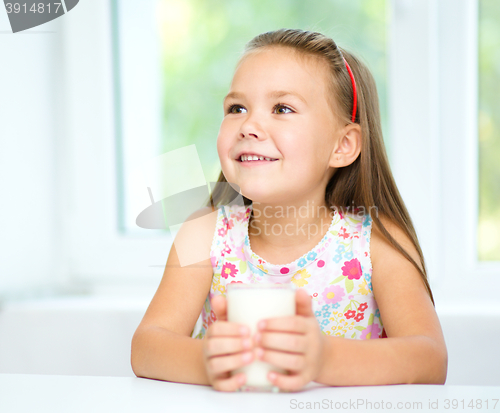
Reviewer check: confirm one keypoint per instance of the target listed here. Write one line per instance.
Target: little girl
(301, 138)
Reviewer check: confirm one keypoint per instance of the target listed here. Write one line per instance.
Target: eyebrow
(275, 94)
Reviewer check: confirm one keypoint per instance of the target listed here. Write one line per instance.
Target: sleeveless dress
(336, 273)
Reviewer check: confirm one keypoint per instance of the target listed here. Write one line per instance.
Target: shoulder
(202, 212)
(382, 250)
(205, 219)
(194, 238)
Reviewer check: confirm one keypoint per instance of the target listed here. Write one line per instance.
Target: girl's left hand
(293, 343)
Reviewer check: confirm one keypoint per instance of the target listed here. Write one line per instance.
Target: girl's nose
(251, 129)
(251, 135)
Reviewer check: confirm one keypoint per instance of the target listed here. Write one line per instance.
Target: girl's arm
(161, 346)
(415, 351)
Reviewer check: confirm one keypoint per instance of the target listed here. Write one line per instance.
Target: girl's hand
(226, 347)
(292, 343)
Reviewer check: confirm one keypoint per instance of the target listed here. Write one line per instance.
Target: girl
(301, 138)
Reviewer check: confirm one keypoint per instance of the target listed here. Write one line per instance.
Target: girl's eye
(234, 109)
(279, 107)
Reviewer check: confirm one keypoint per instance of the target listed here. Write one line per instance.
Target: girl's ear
(347, 148)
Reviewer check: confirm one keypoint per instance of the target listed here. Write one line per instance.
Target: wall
(81, 336)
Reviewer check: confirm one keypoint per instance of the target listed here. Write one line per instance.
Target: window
(489, 131)
(433, 103)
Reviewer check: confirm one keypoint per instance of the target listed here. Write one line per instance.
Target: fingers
(228, 383)
(292, 382)
(294, 362)
(291, 324)
(224, 328)
(227, 345)
(303, 303)
(219, 305)
(295, 343)
(224, 364)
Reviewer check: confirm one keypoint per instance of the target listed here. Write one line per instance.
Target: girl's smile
(250, 163)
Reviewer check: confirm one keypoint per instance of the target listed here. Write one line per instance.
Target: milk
(248, 304)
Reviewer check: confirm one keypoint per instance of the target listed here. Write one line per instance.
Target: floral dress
(336, 273)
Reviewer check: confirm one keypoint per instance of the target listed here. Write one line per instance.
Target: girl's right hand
(226, 347)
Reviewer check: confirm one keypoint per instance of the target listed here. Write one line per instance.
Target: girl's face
(277, 108)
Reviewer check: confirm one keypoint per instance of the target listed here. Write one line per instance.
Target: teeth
(245, 158)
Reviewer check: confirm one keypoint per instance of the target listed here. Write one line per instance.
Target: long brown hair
(368, 181)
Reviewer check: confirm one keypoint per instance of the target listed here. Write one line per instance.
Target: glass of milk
(250, 303)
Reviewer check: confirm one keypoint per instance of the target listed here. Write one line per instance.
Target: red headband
(355, 99)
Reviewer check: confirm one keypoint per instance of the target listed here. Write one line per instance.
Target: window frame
(99, 257)
(443, 91)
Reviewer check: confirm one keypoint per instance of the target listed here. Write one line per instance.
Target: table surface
(72, 394)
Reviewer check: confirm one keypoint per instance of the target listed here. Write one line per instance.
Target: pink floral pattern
(372, 331)
(352, 269)
(229, 270)
(333, 294)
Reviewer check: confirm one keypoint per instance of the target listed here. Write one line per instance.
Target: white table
(71, 394)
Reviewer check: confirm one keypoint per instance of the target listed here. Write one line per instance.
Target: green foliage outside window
(489, 131)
